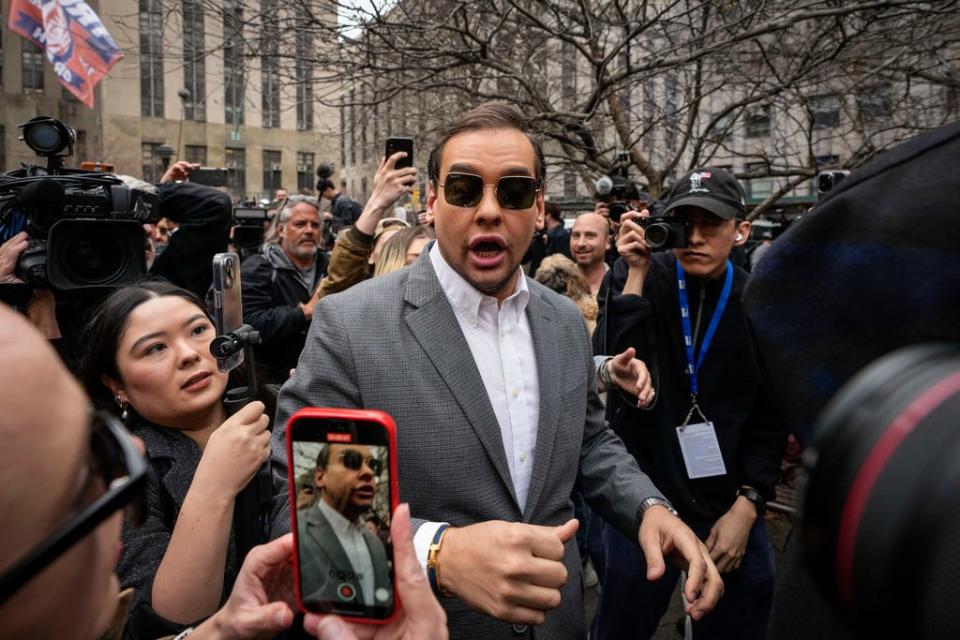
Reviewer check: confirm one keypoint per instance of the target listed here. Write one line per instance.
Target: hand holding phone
(343, 488)
(400, 143)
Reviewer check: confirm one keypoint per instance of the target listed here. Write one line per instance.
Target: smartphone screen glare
(343, 510)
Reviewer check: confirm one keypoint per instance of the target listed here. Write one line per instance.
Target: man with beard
(278, 285)
(340, 559)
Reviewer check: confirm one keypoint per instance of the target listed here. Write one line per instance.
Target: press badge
(701, 450)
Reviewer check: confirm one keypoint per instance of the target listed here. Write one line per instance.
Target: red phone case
(365, 415)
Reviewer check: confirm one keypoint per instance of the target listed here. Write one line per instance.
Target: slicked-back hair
(489, 115)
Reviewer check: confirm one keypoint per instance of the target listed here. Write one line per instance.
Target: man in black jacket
(713, 441)
(343, 211)
(278, 285)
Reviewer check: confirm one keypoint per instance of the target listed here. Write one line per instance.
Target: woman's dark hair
(106, 326)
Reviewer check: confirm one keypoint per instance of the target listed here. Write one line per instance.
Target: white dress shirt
(355, 546)
(502, 346)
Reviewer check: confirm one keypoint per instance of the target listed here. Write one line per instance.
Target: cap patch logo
(696, 179)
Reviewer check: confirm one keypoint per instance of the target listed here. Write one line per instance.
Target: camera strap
(694, 364)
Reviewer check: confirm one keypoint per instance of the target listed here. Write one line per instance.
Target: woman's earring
(124, 413)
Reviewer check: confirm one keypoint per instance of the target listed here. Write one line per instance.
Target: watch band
(753, 496)
(654, 501)
(603, 372)
(433, 566)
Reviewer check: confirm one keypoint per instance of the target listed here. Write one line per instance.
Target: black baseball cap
(710, 188)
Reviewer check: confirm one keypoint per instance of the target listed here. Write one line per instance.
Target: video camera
(248, 230)
(85, 228)
(615, 189)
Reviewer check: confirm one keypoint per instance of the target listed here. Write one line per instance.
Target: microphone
(46, 199)
(604, 185)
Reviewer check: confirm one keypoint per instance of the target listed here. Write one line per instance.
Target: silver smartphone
(227, 302)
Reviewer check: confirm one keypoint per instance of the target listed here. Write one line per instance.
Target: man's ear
(541, 209)
(431, 197)
(318, 478)
(743, 233)
(116, 389)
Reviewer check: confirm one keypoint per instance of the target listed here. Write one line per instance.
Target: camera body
(85, 229)
(612, 190)
(664, 232)
(249, 225)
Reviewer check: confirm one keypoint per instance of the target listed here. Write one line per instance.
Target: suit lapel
(540, 314)
(378, 557)
(434, 325)
(326, 539)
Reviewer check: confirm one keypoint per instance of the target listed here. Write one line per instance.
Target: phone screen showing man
(342, 492)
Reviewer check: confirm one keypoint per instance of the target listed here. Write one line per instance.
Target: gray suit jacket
(394, 344)
(320, 551)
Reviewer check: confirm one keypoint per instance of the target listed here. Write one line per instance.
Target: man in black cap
(713, 440)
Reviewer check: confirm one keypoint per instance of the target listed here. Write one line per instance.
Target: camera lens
(657, 235)
(94, 260)
(43, 138)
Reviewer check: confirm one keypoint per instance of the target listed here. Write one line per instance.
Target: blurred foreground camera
(664, 232)
(881, 527)
(85, 229)
(827, 180)
(248, 230)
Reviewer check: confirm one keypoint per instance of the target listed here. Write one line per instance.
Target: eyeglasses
(513, 192)
(116, 460)
(353, 460)
(710, 225)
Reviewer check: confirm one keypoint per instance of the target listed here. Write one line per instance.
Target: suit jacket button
(519, 629)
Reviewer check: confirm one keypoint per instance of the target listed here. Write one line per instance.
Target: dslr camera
(85, 228)
(615, 189)
(664, 232)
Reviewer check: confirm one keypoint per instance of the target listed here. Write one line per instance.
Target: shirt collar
(466, 300)
(339, 524)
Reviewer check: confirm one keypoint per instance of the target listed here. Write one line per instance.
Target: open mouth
(197, 381)
(487, 250)
(364, 492)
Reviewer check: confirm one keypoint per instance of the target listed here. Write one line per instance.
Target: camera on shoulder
(85, 228)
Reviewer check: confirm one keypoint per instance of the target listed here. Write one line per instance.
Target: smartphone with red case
(342, 469)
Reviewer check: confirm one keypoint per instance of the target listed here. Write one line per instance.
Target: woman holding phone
(148, 351)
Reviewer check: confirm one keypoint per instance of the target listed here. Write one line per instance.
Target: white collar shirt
(501, 342)
(351, 538)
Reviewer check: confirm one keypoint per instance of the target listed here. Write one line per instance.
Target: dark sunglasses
(353, 460)
(513, 192)
(119, 464)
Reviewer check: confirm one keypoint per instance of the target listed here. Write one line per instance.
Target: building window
(671, 90)
(304, 171)
(151, 58)
(759, 188)
(237, 173)
(722, 128)
(875, 104)
(758, 122)
(304, 77)
(152, 163)
(194, 68)
(32, 67)
(233, 80)
(272, 173)
(3, 148)
(826, 111)
(270, 66)
(569, 182)
(196, 153)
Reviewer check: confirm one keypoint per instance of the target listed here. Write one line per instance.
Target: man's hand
(508, 570)
(179, 171)
(727, 541)
(389, 184)
(421, 615)
(631, 375)
(261, 602)
(662, 533)
(9, 255)
(425, 217)
(632, 246)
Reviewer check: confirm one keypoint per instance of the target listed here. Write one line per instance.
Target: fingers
(328, 627)
(267, 557)
(695, 556)
(545, 573)
(567, 530)
(709, 594)
(711, 540)
(532, 596)
(650, 544)
(621, 361)
(264, 621)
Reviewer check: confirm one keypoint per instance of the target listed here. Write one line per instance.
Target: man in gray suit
(340, 560)
(490, 380)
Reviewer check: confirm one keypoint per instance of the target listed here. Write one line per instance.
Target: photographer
(712, 441)
(344, 212)
(204, 216)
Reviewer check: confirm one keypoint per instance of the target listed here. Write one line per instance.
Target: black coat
(272, 293)
(751, 432)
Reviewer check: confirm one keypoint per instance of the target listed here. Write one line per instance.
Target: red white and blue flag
(75, 40)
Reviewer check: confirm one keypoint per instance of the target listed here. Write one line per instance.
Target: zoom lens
(96, 253)
(657, 235)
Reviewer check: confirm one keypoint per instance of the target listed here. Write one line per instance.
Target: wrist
(439, 560)
(744, 508)
(213, 628)
(747, 493)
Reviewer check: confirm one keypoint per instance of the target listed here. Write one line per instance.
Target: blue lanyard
(693, 366)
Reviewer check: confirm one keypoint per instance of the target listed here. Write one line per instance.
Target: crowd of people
(528, 367)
